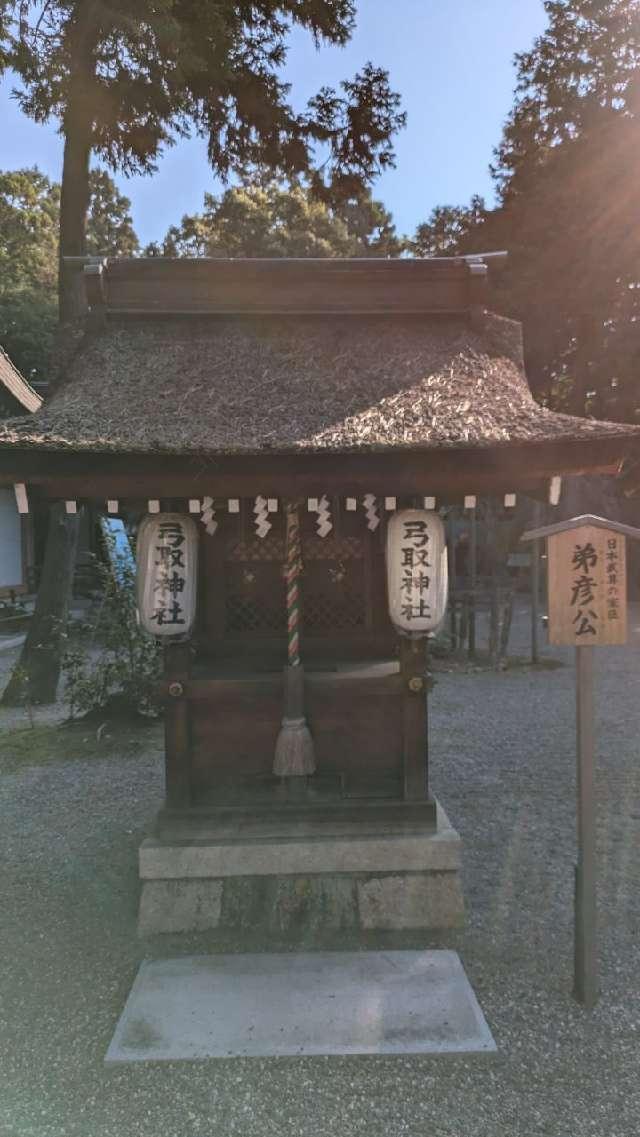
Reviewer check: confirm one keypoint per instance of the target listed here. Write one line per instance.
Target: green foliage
(580, 74)
(29, 208)
(274, 220)
(109, 226)
(567, 173)
(371, 226)
(125, 79)
(450, 230)
(29, 223)
(116, 667)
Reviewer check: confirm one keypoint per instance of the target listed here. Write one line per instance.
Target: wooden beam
(100, 476)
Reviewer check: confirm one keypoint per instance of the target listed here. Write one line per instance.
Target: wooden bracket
(478, 293)
(95, 291)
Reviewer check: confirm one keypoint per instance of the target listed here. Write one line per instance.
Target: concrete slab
(396, 1002)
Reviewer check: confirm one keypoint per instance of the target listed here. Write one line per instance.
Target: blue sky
(452, 62)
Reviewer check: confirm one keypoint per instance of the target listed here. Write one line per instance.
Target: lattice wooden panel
(331, 548)
(249, 614)
(333, 596)
(326, 612)
(270, 548)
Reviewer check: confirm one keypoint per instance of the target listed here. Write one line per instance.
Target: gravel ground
(503, 765)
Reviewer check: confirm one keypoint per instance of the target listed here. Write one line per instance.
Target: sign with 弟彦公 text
(587, 590)
(587, 586)
(417, 576)
(167, 550)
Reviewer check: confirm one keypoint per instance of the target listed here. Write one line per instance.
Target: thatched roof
(15, 392)
(220, 385)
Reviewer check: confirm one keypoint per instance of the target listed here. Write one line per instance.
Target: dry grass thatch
(243, 385)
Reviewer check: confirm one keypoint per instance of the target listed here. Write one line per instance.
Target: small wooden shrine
(286, 411)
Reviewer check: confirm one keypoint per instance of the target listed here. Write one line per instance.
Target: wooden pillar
(586, 966)
(536, 552)
(177, 727)
(494, 622)
(452, 577)
(473, 579)
(413, 671)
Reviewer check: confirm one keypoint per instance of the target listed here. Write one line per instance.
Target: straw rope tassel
(294, 756)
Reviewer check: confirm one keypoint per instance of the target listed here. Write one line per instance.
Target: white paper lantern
(167, 556)
(417, 571)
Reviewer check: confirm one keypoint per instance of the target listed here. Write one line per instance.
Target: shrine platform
(392, 868)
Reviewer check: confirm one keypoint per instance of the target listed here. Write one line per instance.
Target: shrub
(114, 668)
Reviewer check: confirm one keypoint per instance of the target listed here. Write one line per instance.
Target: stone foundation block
(427, 900)
(179, 906)
(303, 881)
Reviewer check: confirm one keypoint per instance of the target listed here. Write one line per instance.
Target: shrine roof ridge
(219, 286)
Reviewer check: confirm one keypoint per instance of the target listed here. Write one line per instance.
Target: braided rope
(292, 574)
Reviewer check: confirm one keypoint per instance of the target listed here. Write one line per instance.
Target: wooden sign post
(587, 589)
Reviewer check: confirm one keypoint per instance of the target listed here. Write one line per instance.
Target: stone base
(301, 883)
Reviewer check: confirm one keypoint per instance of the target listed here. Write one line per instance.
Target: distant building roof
(14, 387)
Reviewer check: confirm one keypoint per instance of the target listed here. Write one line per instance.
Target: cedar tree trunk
(77, 127)
(74, 203)
(36, 674)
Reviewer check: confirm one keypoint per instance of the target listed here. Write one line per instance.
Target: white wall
(10, 541)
